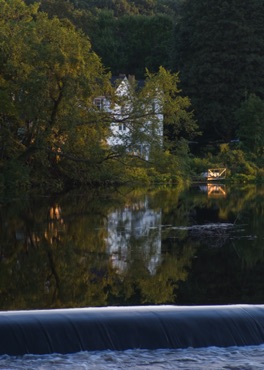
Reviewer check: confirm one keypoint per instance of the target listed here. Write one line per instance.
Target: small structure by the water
(215, 174)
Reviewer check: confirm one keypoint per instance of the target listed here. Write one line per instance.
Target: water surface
(235, 358)
(129, 246)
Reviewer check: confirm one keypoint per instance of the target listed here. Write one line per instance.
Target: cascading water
(122, 328)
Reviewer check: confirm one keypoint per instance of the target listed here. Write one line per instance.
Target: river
(132, 246)
(232, 358)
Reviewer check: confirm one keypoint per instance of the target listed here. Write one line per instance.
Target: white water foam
(232, 358)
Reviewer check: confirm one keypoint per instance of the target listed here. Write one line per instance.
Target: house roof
(116, 80)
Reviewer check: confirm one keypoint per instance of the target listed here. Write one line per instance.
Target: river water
(198, 246)
(233, 358)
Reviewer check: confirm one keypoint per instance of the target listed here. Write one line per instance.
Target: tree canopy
(250, 117)
(56, 57)
(131, 43)
(218, 51)
(50, 127)
(49, 78)
(128, 36)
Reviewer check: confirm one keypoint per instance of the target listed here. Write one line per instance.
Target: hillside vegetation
(58, 55)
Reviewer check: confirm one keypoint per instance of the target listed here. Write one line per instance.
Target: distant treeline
(217, 46)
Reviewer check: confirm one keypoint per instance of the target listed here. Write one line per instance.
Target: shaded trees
(126, 7)
(219, 54)
(129, 37)
(250, 117)
(130, 43)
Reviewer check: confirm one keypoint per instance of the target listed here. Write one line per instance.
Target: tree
(218, 51)
(60, 8)
(129, 37)
(130, 43)
(176, 108)
(145, 42)
(49, 79)
(126, 7)
(250, 117)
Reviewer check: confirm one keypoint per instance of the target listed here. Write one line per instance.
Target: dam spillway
(120, 328)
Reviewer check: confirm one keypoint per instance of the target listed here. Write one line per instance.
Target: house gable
(128, 115)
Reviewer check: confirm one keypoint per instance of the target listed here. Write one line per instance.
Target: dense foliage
(218, 50)
(251, 129)
(51, 131)
(49, 77)
(216, 47)
(56, 56)
(128, 36)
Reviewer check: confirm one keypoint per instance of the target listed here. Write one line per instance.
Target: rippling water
(235, 358)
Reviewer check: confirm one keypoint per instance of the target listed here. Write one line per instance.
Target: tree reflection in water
(138, 246)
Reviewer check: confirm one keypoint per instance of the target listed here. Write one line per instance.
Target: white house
(136, 124)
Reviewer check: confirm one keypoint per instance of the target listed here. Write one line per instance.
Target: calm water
(133, 246)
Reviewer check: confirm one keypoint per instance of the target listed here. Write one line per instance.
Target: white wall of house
(119, 128)
(121, 132)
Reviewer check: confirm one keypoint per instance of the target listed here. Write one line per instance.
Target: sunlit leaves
(49, 78)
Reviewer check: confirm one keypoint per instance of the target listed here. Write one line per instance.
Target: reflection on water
(131, 227)
(55, 224)
(126, 247)
(214, 190)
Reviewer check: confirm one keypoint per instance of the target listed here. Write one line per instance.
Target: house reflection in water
(55, 224)
(214, 190)
(134, 232)
(53, 229)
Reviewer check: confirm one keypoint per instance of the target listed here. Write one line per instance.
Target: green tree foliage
(179, 121)
(250, 117)
(118, 7)
(130, 43)
(59, 8)
(49, 78)
(125, 7)
(129, 37)
(50, 129)
(218, 51)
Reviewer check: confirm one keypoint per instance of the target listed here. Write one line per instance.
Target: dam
(133, 327)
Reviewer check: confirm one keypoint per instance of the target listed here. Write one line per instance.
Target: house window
(99, 102)
(122, 127)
